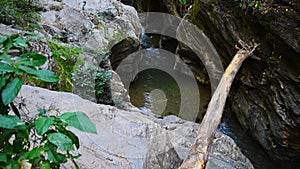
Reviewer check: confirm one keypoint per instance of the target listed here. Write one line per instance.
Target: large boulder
(130, 139)
(96, 26)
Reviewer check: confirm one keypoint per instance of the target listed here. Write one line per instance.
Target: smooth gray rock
(129, 139)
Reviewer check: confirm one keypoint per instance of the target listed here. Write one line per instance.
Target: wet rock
(121, 50)
(129, 139)
(120, 96)
(265, 95)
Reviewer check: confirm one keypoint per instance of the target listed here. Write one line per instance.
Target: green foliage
(183, 1)
(21, 12)
(118, 36)
(17, 62)
(90, 81)
(102, 25)
(254, 4)
(44, 141)
(67, 60)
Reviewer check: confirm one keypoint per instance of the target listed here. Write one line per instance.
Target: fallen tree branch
(198, 154)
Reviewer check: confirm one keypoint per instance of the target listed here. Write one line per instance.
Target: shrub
(16, 63)
(66, 60)
(90, 81)
(43, 142)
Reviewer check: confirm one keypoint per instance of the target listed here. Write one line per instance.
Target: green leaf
(20, 141)
(73, 137)
(6, 58)
(11, 122)
(80, 121)
(46, 165)
(27, 69)
(43, 124)
(3, 80)
(3, 39)
(61, 140)
(9, 42)
(11, 90)
(251, 4)
(6, 67)
(34, 153)
(46, 75)
(3, 157)
(55, 156)
(20, 42)
(33, 59)
(184, 1)
(42, 111)
(19, 72)
(12, 164)
(33, 36)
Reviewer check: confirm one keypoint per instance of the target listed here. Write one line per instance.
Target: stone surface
(129, 139)
(265, 95)
(97, 26)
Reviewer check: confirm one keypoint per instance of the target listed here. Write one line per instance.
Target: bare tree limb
(198, 154)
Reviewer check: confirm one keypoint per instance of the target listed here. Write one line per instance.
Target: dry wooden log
(198, 154)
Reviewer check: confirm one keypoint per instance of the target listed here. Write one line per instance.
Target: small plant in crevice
(104, 26)
(91, 82)
(19, 12)
(42, 142)
(250, 4)
(118, 36)
(264, 6)
(66, 60)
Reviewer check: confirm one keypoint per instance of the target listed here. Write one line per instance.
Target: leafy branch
(43, 142)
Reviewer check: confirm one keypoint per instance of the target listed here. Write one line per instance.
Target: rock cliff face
(265, 96)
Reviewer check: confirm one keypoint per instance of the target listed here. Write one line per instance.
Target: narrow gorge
(144, 72)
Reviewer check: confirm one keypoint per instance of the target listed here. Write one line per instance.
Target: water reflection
(167, 86)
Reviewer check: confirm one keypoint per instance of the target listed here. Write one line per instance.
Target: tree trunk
(198, 154)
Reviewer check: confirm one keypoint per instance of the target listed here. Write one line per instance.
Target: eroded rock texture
(266, 94)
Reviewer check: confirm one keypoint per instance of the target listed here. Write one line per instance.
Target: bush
(16, 63)
(66, 60)
(91, 81)
(43, 142)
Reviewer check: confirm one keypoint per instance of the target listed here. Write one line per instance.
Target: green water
(157, 91)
